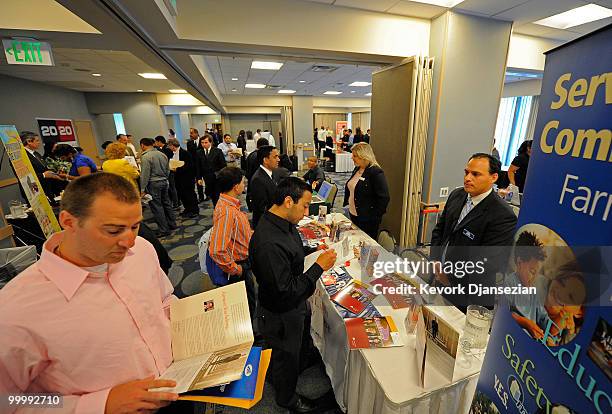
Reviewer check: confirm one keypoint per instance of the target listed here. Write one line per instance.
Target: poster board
(28, 180)
(56, 130)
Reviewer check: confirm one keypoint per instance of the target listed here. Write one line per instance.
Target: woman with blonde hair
(366, 192)
(116, 163)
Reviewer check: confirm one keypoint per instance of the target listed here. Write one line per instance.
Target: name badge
(467, 234)
(361, 179)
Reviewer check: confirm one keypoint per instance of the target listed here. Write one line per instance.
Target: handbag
(217, 276)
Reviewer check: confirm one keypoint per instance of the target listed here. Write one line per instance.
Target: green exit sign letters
(27, 52)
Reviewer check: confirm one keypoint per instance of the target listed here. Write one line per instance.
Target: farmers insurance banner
(28, 180)
(559, 359)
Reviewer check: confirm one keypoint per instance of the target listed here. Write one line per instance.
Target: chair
(387, 241)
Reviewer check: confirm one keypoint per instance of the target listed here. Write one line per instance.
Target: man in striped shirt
(231, 233)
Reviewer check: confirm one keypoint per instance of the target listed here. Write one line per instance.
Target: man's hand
(327, 259)
(200, 182)
(134, 396)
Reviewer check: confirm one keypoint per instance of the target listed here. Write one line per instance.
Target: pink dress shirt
(69, 331)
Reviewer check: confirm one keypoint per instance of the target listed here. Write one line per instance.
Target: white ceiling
(73, 69)
(521, 12)
(224, 68)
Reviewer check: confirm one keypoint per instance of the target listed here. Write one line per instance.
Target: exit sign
(27, 52)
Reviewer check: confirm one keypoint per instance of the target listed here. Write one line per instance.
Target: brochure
(377, 332)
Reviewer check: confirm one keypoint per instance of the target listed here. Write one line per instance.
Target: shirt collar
(477, 199)
(230, 200)
(269, 172)
(66, 276)
(31, 151)
(279, 222)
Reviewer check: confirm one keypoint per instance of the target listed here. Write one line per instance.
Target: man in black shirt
(277, 257)
(192, 147)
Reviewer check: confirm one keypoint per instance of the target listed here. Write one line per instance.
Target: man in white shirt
(257, 135)
(228, 148)
(268, 135)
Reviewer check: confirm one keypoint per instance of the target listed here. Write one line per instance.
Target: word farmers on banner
(551, 352)
(28, 180)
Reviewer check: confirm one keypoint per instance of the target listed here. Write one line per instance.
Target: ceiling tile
(378, 5)
(413, 9)
(488, 7)
(538, 9)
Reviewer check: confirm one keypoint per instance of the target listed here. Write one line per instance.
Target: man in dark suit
(184, 179)
(51, 182)
(210, 161)
(160, 144)
(251, 162)
(476, 225)
(315, 175)
(193, 146)
(262, 187)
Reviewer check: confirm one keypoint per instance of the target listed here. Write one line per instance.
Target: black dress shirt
(277, 257)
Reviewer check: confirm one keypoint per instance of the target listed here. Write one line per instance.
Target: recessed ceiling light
(152, 75)
(258, 64)
(368, 94)
(576, 17)
(360, 84)
(286, 91)
(234, 90)
(255, 86)
(331, 93)
(139, 90)
(234, 79)
(352, 91)
(302, 81)
(96, 74)
(443, 3)
(177, 91)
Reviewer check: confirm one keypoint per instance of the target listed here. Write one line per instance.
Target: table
(344, 162)
(385, 381)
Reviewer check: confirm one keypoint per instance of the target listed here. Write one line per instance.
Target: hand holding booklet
(211, 338)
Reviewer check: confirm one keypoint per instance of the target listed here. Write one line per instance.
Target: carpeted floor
(187, 279)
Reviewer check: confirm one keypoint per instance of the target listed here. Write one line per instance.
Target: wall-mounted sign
(56, 130)
(27, 52)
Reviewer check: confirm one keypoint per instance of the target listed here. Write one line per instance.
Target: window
(513, 122)
(119, 126)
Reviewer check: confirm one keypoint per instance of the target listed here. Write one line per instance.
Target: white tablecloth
(385, 380)
(344, 162)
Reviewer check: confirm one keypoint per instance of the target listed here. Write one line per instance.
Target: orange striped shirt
(231, 231)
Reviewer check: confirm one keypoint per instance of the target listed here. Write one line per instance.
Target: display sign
(56, 130)
(554, 355)
(27, 52)
(340, 126)
(28, 180)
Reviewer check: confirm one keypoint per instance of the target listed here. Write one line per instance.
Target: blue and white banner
(552, 353)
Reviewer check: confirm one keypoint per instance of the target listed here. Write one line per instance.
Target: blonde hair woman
(366, 193)
(116, 163)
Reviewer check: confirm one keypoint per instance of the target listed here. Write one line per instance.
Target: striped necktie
(468, 206)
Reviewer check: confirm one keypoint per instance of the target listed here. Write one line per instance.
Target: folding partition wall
(400, 113)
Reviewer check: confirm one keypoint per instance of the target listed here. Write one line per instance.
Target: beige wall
(523, 88)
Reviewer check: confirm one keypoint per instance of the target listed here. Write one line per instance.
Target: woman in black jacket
(366, 192)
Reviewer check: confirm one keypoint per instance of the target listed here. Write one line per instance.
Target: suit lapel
(476, 212)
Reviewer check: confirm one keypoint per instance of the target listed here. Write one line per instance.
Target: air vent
(323, 68)
(273, 87)
(82, 70)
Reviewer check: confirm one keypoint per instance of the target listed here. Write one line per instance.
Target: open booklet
(211, 338)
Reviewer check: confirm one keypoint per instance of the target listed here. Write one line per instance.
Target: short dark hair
(264, 152)
(228, 177)
(290, 187)
(171, 131)
(194, 130)
(494, 164)
(147, 142)
(63, 150)
(119, 136)
(262, 141)
(106, 144)
(160, 138)
(80, 194)
(528, 247)
(27, 136)
(226, 135)
(258, 130)
(205, 136)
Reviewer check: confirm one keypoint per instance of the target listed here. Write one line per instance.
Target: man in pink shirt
(89, 320)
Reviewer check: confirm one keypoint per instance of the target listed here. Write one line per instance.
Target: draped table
(385, 380)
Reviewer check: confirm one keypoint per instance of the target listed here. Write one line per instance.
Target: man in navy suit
(474, 217)
(262, 186)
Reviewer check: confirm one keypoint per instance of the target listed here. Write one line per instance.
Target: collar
(66, 276)
(279, 222)
(230, 200)
(477, 199)
(31, 151)
(269, 172)
(147, 150)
